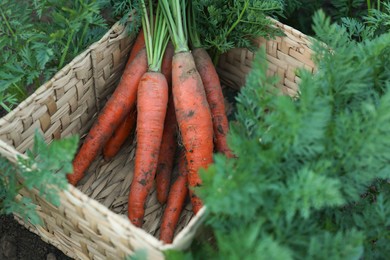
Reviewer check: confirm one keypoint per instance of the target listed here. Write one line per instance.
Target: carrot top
(156, 35)
(226, 24)
(175, 15)
(193, 32)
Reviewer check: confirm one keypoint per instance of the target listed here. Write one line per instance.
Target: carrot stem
(147, 31)
(193, 30)
(156, 32)
(174, 16)
(65, 52)
(238, 19)
(7, 23)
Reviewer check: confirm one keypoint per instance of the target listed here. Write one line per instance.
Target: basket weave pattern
(91, 221)
(284, 55)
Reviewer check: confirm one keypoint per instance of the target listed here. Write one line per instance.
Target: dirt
(17, 243)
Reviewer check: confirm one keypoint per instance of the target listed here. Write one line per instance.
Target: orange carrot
(120, 135)
(152, 102)
(166, 66)
(212, 85)
(138, 45)
(169, 142)
(176, 199)
(193, 117)
(192, 110)
(113, 113)
(167, 154)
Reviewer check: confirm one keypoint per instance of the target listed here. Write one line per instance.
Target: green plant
(223, 25)
(298, 13)
(37, 38)
(138, 255)
(311, 177)
(371, 26)
(123, 9)
(374, 5)
(43, 168)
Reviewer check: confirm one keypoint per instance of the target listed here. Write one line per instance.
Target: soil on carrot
(17, 243)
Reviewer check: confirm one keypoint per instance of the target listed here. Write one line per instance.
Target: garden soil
(17, 243)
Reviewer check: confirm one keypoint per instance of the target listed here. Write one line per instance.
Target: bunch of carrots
(168, 90)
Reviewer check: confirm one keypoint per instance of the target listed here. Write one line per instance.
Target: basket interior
(108, 182)
(69, 103)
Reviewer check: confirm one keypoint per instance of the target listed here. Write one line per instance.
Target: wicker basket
(91, 221)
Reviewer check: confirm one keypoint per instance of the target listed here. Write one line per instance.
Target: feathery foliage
(44, 168)
(223, 25)
(37, 38)
(372, 25)
(123, 9)
(298, 13)
(311, 177)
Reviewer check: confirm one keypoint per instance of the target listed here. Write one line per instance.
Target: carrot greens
(311, 177)
(223, 25)
(156, 35)
(37, 38)
(43, 168)
(175, 15)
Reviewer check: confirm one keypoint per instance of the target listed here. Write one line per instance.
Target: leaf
(307, 191)
(226, 24)
(43, 55)
(36, 35)
(27, 57)
(46, 167)
(57, 36)
(346, 245)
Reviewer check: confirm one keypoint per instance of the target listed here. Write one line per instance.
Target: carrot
(215, 98)
(175, 204)
(169, 142)
(151, 106)
(120, 135)
(167, 154)
(194, 119)
(113, 113)
(138, 45)
(166, 66)
(192, 110)
(211, 83)
(152, 100)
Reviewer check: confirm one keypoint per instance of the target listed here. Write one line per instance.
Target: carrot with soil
(167, 154)
(176, 200)
(166, 66)
(112, 115)
(192, 110)
(212, 86)
(152, 100)
(120, 135)
(169, 141)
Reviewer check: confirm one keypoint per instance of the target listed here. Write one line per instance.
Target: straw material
(91, 222)
(284, 55)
